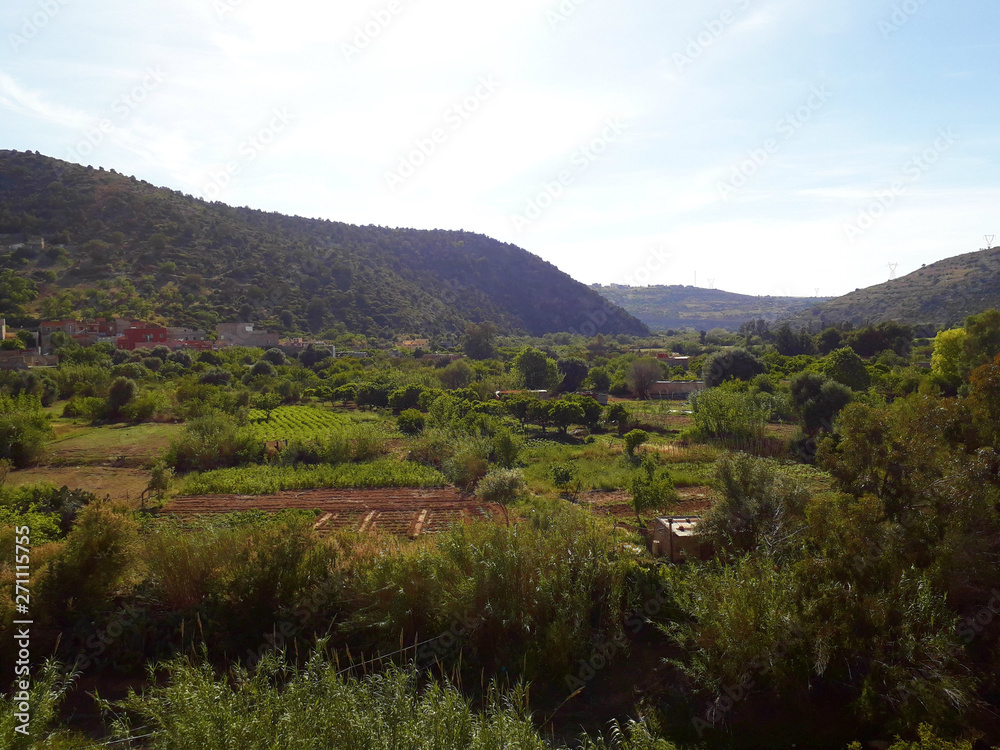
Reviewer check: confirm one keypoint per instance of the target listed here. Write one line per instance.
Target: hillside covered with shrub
(939, 295)
(116, 245)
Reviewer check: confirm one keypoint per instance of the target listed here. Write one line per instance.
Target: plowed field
(409, 512)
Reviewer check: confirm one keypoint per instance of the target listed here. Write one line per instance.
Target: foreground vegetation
(852, 593)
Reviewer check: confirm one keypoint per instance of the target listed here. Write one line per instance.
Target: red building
(142, 337)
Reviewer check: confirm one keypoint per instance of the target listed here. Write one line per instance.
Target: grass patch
(266, 480)
(141, 444)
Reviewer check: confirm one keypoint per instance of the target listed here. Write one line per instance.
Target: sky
(757, 146)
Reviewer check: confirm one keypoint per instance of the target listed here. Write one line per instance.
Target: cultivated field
(409, 512)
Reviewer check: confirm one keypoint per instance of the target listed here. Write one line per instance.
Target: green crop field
(264, 480)
(296, 423)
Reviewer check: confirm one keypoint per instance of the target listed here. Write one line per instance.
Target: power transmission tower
(892, 270)
(989, 241)
(711, 283)
(817, 291)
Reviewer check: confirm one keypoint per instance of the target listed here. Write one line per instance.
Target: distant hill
(665, 307)
(118, 245)
(940, 294)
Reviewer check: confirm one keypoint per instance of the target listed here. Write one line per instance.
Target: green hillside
(115, 245)
(940, 294)
(665, 307)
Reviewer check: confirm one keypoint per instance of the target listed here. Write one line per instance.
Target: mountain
(116, 245)
(665, 307)
(941, 294)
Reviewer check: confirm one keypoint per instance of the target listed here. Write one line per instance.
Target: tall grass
(48, 688)
(264, 480)
(278, 707)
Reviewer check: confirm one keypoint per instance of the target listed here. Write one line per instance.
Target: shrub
(410, 422)
(633, 440)
(85, 407)
(651, 489)
(23, 429)
(731, 364)
(506, 448)
(262, 368)
(728, 414)
(98, 563)
(121, 392)
(212, 442)
(274, 356)
(406, 398)
(756, 506)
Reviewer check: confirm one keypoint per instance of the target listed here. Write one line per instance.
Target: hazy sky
(768, 146)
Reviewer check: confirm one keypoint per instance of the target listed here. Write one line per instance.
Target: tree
(846, 367)
(642, 374)
(984, 401)
(756, 506)
(24, 429)
(262, 368)
(15, 290)
(316, 314)
(633, 440)
(520, 407)
(457, 375)
(565, 413)
(948, 359)
(410, 422)
(791, 344)
(868, 341)
(540, 412)
(537, 371)
(818, 399)
(121, 392)
(982, 342)
(829, 340)
(407, 397)
(617, 415)
(574, 372)
(731, 364)
(651, 489)
(599, 379)
(275, 356)
(479, 341)
(591, 409)
(563, 476)
(502, 486)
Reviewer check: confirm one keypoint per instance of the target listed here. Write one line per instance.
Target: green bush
(213, 442)
(410, 422)
(23, 429)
